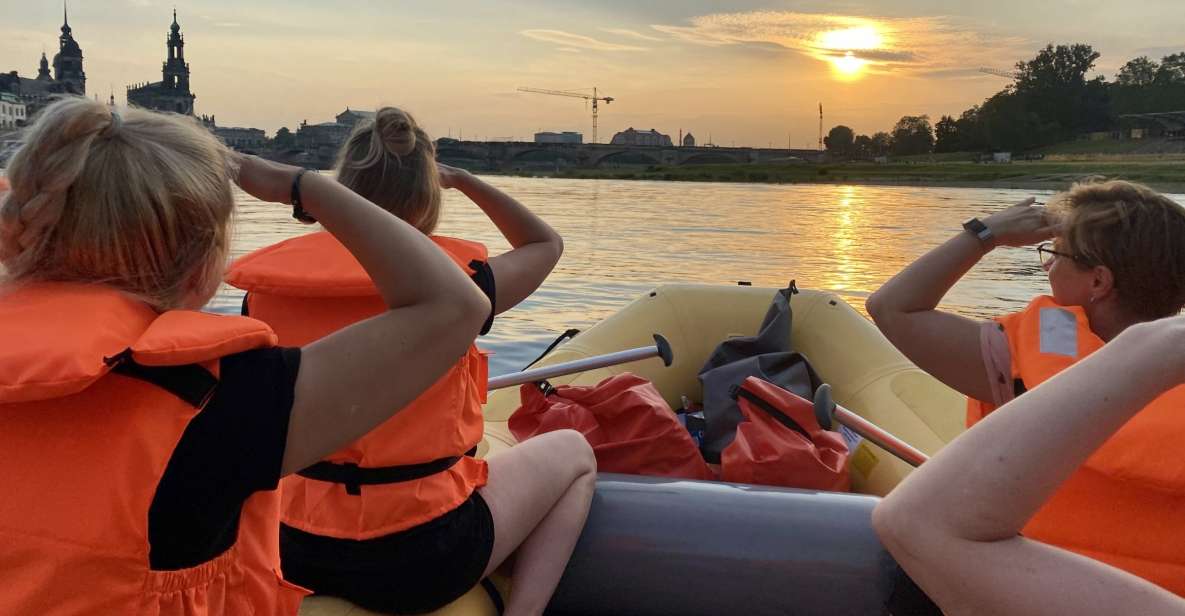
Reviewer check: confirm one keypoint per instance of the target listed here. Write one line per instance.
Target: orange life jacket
(411, 469)
(87, 427)
(1123, 506)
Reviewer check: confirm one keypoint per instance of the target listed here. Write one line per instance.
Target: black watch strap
(298, 211)
(976, 227)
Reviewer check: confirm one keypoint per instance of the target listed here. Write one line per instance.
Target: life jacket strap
(192, 383)
(354, 477)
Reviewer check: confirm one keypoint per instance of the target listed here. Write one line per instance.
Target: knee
(577, 451)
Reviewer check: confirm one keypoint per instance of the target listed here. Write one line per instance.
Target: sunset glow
(849, 39)
(841, 47)
(848, 65)
(743, 72)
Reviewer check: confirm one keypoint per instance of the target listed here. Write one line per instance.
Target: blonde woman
(406, 520)
(955, 524)
(141, 440)
(1115, 257)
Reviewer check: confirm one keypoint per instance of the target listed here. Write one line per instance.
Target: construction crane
(997, 72)
(593, 97)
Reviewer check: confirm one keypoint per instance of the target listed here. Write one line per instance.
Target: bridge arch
(627, 158)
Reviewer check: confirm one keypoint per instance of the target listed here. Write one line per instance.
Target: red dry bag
(780, 443)
(630, 427)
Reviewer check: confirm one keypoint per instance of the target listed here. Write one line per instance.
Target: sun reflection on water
(622, 238)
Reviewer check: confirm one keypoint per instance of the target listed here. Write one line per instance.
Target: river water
(624, 237)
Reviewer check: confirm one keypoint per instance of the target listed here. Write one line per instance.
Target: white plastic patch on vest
(1059, 332)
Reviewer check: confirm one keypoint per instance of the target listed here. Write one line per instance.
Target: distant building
(564, 137)
(630, 136)
(172, 92)
(67, 78)
(1167, 124)
(324, 136)
(688, 140)
(351, 117)
(12, 111)
(241, 138)
(67, 63)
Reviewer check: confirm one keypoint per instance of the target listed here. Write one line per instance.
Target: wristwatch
(298, 211)
(976, 227)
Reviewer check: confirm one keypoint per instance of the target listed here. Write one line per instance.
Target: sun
(848, 65)
(842, 49)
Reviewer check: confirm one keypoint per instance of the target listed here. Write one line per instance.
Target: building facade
(172, 92)
(351, 117)
(241, 138)
(689, 140)
(12, 111)
(564, 137)
(630, 136)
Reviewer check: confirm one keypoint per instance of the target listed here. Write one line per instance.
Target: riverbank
(1164, 174)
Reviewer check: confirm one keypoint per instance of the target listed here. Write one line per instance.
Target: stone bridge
(515, 156)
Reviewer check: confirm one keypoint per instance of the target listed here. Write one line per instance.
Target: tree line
(1049, 100)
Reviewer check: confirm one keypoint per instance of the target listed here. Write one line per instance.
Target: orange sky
(745, 73)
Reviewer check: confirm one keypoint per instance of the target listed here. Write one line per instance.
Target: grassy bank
(1164, 174)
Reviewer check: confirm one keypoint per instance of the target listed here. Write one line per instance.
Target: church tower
(176, 70)
(43, 69)
(67, 63)
(171, 93)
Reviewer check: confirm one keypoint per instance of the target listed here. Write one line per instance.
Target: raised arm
(954, 523)
(944, 344)
(536, 246)
(358, 377)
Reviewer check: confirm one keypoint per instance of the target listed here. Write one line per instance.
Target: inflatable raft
(658, 546)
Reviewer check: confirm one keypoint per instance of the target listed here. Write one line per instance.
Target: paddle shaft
(878, 436)
(660, 348)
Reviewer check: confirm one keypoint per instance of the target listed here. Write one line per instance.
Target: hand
(262, 179)
(451, 177)
(1023, 224)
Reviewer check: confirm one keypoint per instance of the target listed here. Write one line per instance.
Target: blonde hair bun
(392, 162)
(395, 130)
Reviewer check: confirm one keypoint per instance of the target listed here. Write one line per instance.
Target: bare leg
(539, 493)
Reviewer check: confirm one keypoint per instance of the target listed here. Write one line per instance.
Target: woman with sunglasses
(1114, 253)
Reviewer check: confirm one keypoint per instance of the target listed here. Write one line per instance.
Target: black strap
(483, 277)
(191, 383)
(779, 416)
(495, 595)
(571, 333)
(298, 211)
(1018, 387)
(354, 477)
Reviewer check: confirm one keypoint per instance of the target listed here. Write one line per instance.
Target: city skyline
(750, 74)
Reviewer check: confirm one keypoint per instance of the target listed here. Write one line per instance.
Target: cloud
(918, 45)
(632, 34)
(569, 40)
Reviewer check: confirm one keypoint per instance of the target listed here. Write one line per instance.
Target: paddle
(661, 348)
(827, 410)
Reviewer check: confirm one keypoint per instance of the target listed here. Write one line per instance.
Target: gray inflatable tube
(656, 546)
